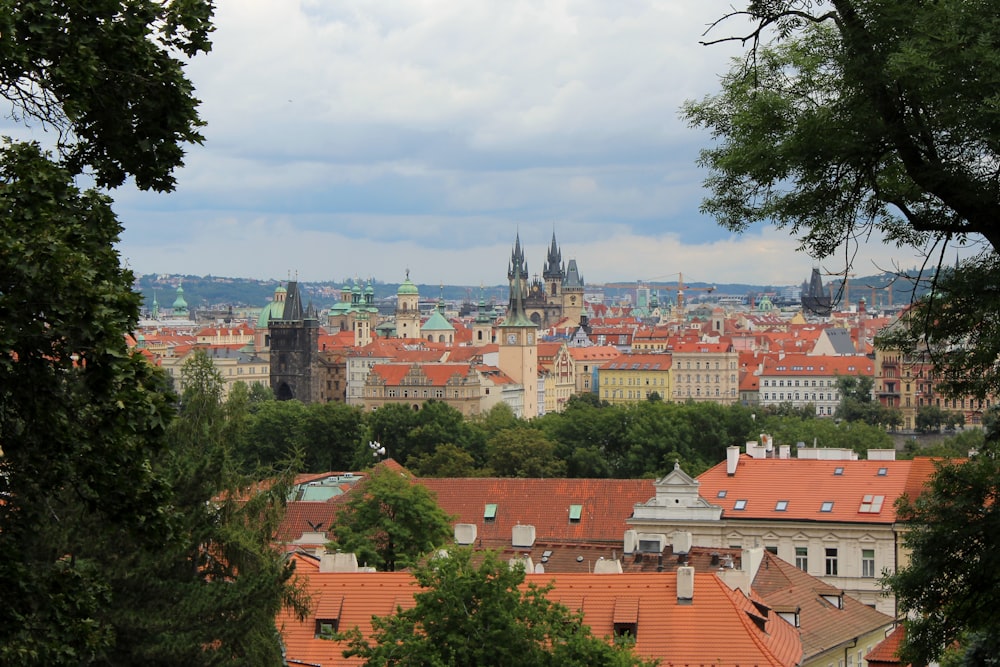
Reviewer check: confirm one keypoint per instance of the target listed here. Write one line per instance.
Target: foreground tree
(102, 525)
(857, 119)
(950, 590)
(209, 593)
(390, 521)
(480, 615)
(80, 419)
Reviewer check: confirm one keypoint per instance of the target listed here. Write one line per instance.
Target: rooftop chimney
(685, 585)
(732, 459)
(338, 562)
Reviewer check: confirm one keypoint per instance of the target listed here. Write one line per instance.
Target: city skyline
(363, 138)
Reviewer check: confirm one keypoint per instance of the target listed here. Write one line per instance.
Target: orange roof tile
(666, 628)
(821, 625)
(807, 485)
(884, 655)
(544, 504)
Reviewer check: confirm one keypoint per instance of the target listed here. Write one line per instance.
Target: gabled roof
(639, 362)
(885, 654)
(542, 503)
(594, 353)
(822, 625)
(668, 629)
(806, 485)
(805, 365)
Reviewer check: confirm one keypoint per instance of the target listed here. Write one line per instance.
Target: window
(831, 562)
(490, 513)
(326, 627)
(839, 470)
(721, 494)
(740, 504)
(802, 558)
(868, 563)
(781, 506)
(575, 511)
(826, 506)
(871, 504)
(882, 472)
(772, 549)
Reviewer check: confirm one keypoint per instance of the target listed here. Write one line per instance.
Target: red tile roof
(673, 631)
(544, 504)
(818, 365)
(884, 655)
(806, 484)
(821, 624)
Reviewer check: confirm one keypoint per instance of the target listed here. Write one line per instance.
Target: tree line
(590, 438)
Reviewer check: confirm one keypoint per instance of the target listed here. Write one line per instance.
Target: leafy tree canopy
(479, 614)
(856, 119)
(950, 590)
(107, 75)
(390, 522)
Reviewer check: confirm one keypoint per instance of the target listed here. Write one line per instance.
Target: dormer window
(575, 512)
(326, 627)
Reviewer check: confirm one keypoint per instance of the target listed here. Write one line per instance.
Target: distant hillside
(217, 292)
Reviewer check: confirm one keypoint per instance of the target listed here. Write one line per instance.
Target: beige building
(469, 389)
(834, 518)
(705, 371)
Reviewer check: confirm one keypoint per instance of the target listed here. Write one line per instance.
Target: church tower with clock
(518, 348)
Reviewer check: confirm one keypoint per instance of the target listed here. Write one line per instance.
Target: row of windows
(805, 383)
(781, 396)
(697, 392)
(831, 561)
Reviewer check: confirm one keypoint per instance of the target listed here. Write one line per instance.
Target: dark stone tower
(295, 350)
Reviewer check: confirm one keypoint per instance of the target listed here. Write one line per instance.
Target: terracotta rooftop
(822, 625)
(546, 504)
(666, 628)
(884, 655)
(807, 489)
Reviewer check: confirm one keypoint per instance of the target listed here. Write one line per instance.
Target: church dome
(407, 287)
(179, 302)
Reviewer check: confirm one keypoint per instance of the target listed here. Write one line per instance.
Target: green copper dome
(407, 287)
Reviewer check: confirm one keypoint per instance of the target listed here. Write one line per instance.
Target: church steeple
(516, 317)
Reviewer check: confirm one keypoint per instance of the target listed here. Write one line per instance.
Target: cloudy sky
(367, 137)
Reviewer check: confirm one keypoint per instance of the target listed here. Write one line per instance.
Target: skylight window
(882, 472)
(871, 504)
(721, 493)
(575, 511)
(826, 506)
(490, 513)
(781, 506)
(839, 470)
(740, 504)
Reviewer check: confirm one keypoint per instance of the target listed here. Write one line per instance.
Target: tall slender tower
(294, 350)
(554, 273)
(572, 296)
(407, 309)
(518, 356)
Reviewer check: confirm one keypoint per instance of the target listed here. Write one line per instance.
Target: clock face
(511, 338)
